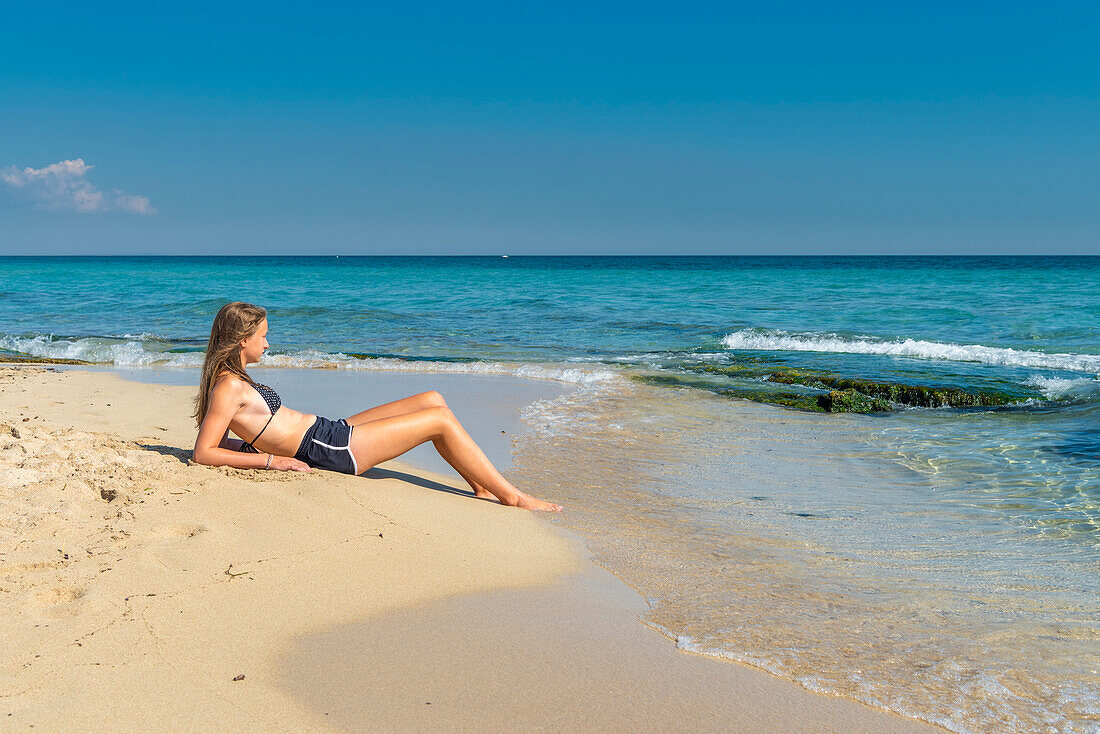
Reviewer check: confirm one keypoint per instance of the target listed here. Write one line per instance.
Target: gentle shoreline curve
(135, 587)
(567, 656)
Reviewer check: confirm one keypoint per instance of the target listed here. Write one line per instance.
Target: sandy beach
(142, 592)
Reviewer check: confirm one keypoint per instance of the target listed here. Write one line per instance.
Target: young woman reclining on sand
(291, 441)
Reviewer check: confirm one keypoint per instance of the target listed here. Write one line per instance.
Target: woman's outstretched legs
(382, 439)
(411, 404)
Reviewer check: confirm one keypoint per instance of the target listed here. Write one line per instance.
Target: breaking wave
(782, 341)
(147, 349)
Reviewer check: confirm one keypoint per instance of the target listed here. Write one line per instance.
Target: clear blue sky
(453, 128)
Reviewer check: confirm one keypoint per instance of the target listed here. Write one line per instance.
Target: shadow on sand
(377, 473)
(184, 457)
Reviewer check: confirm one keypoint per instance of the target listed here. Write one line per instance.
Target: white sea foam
(782, 341)
(126, 351)
(1060, 387)
(135, 351)
(560, 373)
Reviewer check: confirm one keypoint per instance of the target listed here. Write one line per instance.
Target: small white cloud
(64, 186)
(134, 203)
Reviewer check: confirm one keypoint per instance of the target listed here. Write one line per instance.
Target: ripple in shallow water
(805, 545)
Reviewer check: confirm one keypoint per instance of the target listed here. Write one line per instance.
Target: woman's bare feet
(521, 500)
(527, 502)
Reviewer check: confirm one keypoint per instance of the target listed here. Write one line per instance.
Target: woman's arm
(233, 444)
(210, 446)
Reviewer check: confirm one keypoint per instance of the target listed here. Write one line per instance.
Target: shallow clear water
(939, 562)
(804, 544)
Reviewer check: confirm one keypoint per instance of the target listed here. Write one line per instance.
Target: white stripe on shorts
(354, 464)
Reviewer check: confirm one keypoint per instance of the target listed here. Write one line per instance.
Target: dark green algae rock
(831, 393)
(851, 401)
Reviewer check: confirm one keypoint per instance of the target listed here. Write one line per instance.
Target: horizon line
(501, 256)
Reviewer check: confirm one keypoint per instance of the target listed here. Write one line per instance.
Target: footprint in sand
(59, 595)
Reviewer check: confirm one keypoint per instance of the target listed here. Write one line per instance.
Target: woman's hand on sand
(287, 463)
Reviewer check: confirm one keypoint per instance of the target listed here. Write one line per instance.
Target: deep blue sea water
(963, 542)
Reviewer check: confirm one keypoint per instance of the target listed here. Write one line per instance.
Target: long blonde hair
(235, 321)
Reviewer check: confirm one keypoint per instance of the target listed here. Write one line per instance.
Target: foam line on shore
(136, 352)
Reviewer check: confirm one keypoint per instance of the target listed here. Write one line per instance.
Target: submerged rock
(829, 393)
(922, 396)
(917, 396)
(851, 401)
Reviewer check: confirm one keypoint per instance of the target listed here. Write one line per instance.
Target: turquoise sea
(936, 552)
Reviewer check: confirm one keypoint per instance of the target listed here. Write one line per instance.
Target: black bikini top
(270, 396)
(273, 402)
